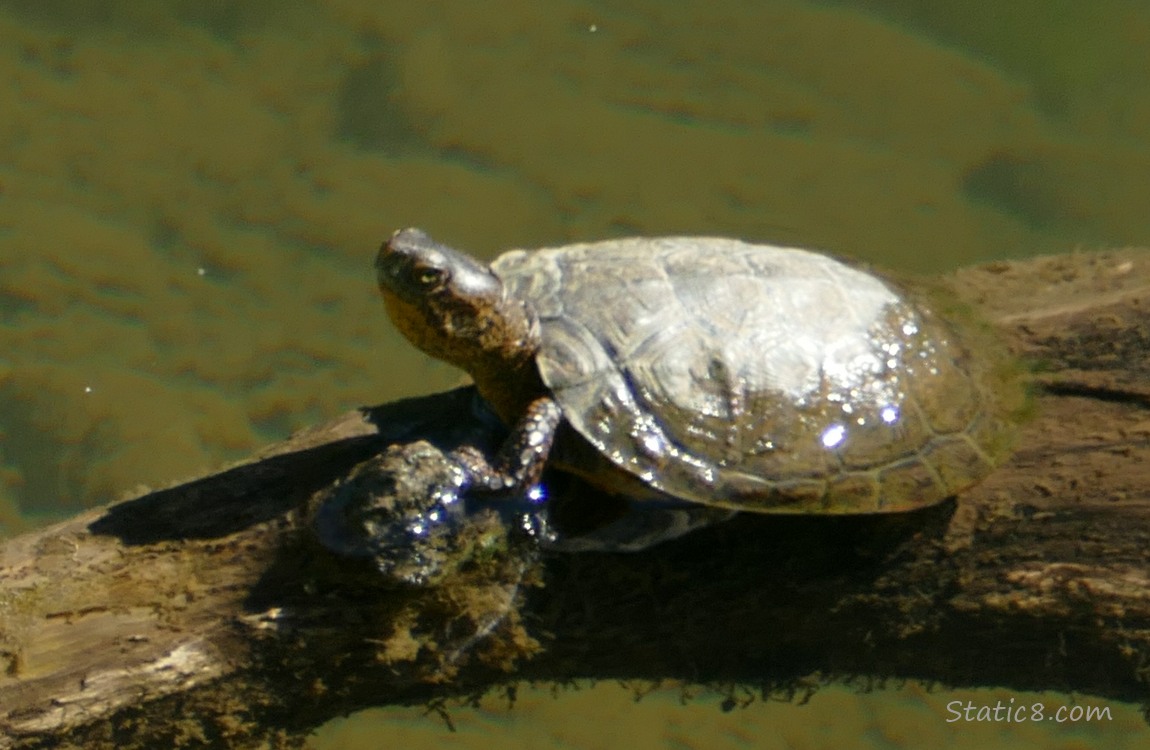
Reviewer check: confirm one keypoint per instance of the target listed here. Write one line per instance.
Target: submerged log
(206, 614)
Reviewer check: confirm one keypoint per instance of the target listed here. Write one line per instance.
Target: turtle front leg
(519, 464)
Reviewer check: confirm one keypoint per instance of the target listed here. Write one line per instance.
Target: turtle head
(455, 308)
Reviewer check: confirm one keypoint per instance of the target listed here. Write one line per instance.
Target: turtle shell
(756, 377)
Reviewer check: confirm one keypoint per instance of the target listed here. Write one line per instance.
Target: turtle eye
(429, 277)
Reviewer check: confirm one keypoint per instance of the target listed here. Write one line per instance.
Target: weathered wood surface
(205, 614)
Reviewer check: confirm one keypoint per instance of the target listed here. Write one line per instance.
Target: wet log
(206, 614)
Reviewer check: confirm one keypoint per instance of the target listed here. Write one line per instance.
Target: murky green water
(191, 195)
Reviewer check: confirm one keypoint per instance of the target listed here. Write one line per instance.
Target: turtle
(706, 373)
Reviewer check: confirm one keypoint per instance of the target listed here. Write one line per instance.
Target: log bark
(206, 614)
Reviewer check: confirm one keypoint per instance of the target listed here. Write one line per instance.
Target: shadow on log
(207, 615)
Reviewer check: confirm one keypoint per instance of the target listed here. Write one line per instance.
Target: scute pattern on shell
(755, 377)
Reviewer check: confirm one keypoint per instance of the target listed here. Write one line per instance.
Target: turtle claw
(518, 467)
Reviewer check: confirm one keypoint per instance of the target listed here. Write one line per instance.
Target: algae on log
(206, 614)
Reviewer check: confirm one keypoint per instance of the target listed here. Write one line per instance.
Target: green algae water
(191, 195)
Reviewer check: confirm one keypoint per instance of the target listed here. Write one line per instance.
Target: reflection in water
(835, 717)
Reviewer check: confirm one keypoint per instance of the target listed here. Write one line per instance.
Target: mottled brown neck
(509, 386)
